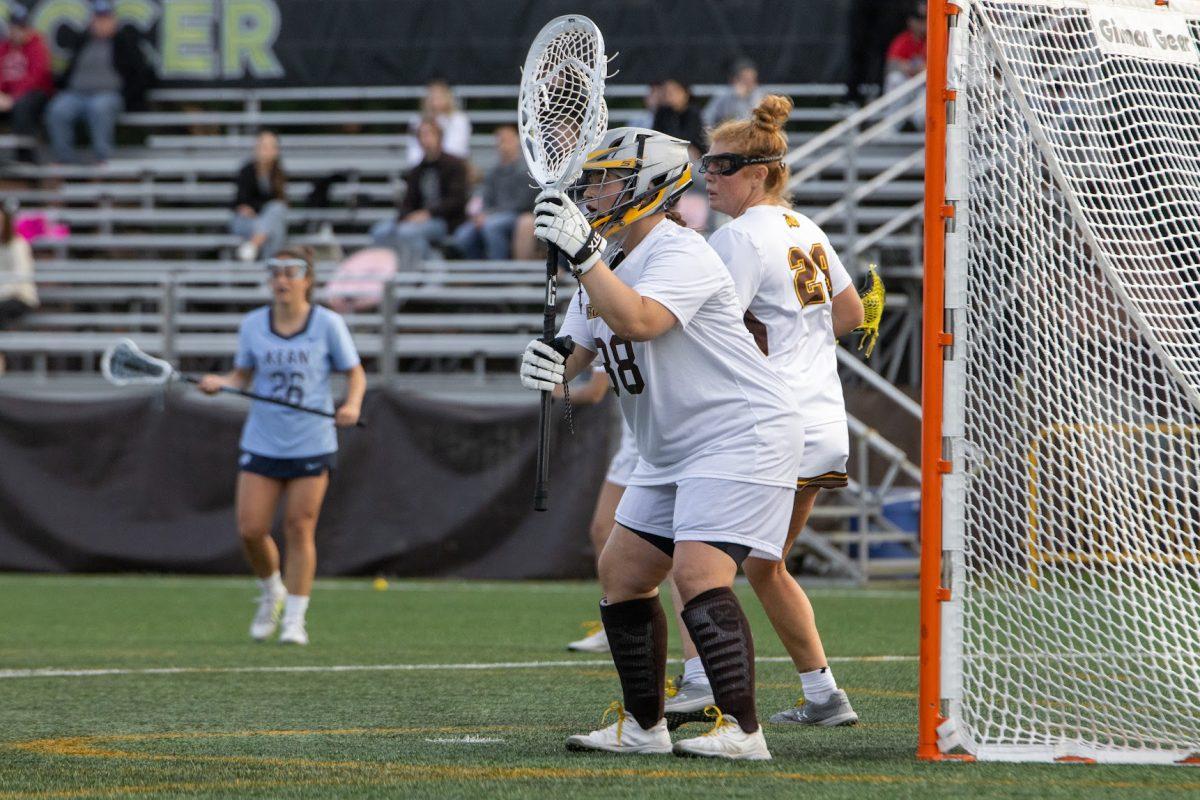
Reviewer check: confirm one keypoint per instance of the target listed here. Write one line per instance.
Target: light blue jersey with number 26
(296, 369)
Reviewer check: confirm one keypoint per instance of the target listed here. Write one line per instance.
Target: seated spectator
(651, 102)
(678, 117)
(25, 79)
(260, 208)
(506, 195)
(106, 74)
(738, 99)
(906, 58)
(439, 104)
(18, 294)
(434, 203)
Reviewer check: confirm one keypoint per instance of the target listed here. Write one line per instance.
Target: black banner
(429, 489)
(407, 42)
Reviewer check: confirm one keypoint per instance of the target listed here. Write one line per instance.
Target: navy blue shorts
(285, 469)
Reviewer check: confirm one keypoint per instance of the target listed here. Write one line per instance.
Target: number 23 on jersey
(619, 363)
(810, 275)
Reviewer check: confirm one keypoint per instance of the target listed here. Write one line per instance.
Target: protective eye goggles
(292, 268)
(729, 163)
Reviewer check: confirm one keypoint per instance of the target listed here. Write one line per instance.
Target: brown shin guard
(637, 638)
(718, 627)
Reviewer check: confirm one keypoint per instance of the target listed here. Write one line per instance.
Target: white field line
(53, 672)
(365, 585)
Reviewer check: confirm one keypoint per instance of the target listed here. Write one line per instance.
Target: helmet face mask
(600, 191)
(633, 174)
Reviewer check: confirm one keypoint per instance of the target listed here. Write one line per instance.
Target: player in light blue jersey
(288, 350)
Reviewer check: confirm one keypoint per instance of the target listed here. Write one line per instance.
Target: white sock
(295, 607)
(818, 684)
(272, 583)
(693, 671)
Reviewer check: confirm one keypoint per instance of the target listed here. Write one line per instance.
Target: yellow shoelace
(615, 707)
(719, 721)
(592, 626)
(873, 301)
(672, 687)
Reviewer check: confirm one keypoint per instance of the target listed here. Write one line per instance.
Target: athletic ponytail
(760, 136)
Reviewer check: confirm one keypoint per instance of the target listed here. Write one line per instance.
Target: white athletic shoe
(247, 252)
(266, 618)
(725, 740)
(293, 632)
(624, 736)
(596, 640)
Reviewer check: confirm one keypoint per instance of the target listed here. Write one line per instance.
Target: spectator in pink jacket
(26, 82)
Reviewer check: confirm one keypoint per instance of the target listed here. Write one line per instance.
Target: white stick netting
(561, 109)
(124, 363)
(1080, 340)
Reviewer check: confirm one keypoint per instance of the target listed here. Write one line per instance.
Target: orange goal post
(1060, 510)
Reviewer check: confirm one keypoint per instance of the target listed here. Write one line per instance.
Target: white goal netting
(1072, 517)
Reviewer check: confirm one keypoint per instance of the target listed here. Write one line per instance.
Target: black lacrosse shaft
(541, 489)
(275, 400)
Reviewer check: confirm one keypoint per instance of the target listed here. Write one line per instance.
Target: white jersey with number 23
(787, 274)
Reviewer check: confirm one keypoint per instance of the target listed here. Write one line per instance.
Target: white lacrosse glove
(559, 222)
(543, 365)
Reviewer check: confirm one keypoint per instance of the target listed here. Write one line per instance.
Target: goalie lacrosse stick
(562, 115)
(124, 364)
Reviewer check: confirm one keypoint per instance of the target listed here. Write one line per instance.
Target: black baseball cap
(103, 7)
(18, 15)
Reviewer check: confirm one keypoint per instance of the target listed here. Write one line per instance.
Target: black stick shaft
(541, 489)
(275, 400)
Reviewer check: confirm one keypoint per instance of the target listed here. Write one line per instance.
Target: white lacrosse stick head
(561, 111)
(124, 364)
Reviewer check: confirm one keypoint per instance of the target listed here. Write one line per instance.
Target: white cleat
(725, 740)
(596, 640)
(624, 736)
(266, 618)
(293, 632)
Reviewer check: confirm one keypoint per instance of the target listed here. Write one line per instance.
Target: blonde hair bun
(772, 112)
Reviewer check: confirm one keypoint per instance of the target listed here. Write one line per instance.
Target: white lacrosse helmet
(650, 170)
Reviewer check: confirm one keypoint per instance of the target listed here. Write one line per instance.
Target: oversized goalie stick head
(561, 111)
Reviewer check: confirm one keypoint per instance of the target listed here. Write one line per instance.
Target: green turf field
(393, 698)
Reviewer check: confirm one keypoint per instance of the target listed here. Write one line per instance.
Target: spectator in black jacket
(677, 116)
(260, 208)
(106, 73)
(434, 203)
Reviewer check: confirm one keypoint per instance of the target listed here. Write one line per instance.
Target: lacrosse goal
(1060, 610)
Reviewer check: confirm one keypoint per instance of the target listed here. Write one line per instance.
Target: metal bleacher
(155, 217)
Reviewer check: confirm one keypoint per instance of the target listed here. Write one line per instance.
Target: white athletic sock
(818, 684)
(693, 671)
(295, 607)
(272, 583)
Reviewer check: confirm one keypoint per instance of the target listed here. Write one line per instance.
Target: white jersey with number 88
(701, 399)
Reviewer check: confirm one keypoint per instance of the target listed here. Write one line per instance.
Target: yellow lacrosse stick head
(874, 297)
